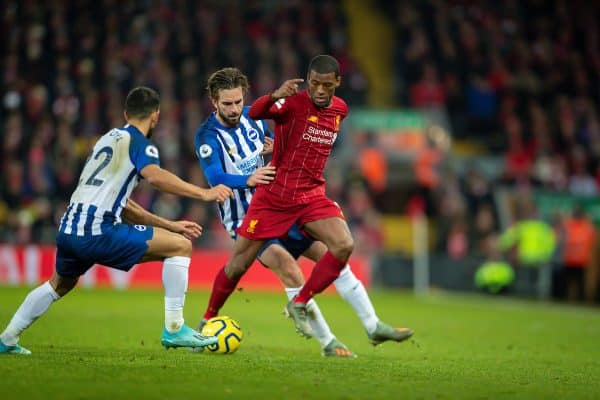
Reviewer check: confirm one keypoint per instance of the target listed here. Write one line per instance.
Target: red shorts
(268, 218)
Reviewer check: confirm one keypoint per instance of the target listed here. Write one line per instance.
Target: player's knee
(183, 247)
(62, 285)
(343, 247)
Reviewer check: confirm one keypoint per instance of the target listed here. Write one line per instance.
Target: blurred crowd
(522, 78)
(68, 65)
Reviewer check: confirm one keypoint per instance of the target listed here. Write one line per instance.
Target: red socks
(222, 289)
(326, 270)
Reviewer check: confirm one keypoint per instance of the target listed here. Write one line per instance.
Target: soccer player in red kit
(306, 126)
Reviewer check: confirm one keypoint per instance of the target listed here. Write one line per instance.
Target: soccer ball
(227, 330)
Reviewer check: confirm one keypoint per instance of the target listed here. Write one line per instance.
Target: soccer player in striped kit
(103, 225)
(229, 146)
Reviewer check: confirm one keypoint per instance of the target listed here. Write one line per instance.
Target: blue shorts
(121, 247)
(295, 242)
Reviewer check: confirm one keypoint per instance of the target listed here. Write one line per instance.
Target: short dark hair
(141, 102)
(226, 78)
(324, 64)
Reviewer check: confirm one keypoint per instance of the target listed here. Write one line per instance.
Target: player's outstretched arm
(136, 214)
(261, 108)
(168, 182)
(287, 89)
(216, 176)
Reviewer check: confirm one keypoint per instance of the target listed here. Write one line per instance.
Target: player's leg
(175, 251)
(275, 257)
(335, 234)
(353, 291)
(323, 220)
(243, 254)
(39, 300)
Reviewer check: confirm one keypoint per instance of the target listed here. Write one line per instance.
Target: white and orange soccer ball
(227, 330)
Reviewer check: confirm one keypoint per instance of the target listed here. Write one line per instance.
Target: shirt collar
(132, 129)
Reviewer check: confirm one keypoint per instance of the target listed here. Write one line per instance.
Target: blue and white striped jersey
(109, 176)
(229, 156)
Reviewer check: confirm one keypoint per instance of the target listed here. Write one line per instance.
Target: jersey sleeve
(344, 109)
(142, 153)
(265, 108)
(208, 151)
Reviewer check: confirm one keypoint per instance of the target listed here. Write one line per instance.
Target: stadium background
(463, 114)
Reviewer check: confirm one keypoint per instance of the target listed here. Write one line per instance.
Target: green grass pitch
(104, 344)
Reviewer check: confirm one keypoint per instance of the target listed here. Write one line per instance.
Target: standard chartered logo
(321, 136)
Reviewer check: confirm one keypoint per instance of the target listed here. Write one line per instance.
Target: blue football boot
(15, 349)
(186, 337)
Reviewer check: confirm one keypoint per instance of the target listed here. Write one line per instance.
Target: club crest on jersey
(252, 134)
(313, 118)
(152, 151)
(140, 228)
(205, 151)
(252, 226)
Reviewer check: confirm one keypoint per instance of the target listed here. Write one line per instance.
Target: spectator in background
(579, 238)
(482, 104)
(518, 160)
(429, 91)
(485, 228)
(457, 242)
(364, 220)
(581, 182)
(372, 162)
(534, 244)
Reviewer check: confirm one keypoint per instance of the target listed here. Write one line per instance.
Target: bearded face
(229, 106)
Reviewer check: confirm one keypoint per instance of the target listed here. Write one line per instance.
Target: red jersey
(304, 137)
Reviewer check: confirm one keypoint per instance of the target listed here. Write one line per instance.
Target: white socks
(315, 318)
(35, 304)
(353, 291)
(175, 282)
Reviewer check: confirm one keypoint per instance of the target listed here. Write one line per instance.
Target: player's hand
(267, 146)
(189, 229)
(262, 176)
(288, 88)
(219, 193)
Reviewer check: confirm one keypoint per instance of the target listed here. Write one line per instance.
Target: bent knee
(62, 285)
(183, 247)
(343, 248)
